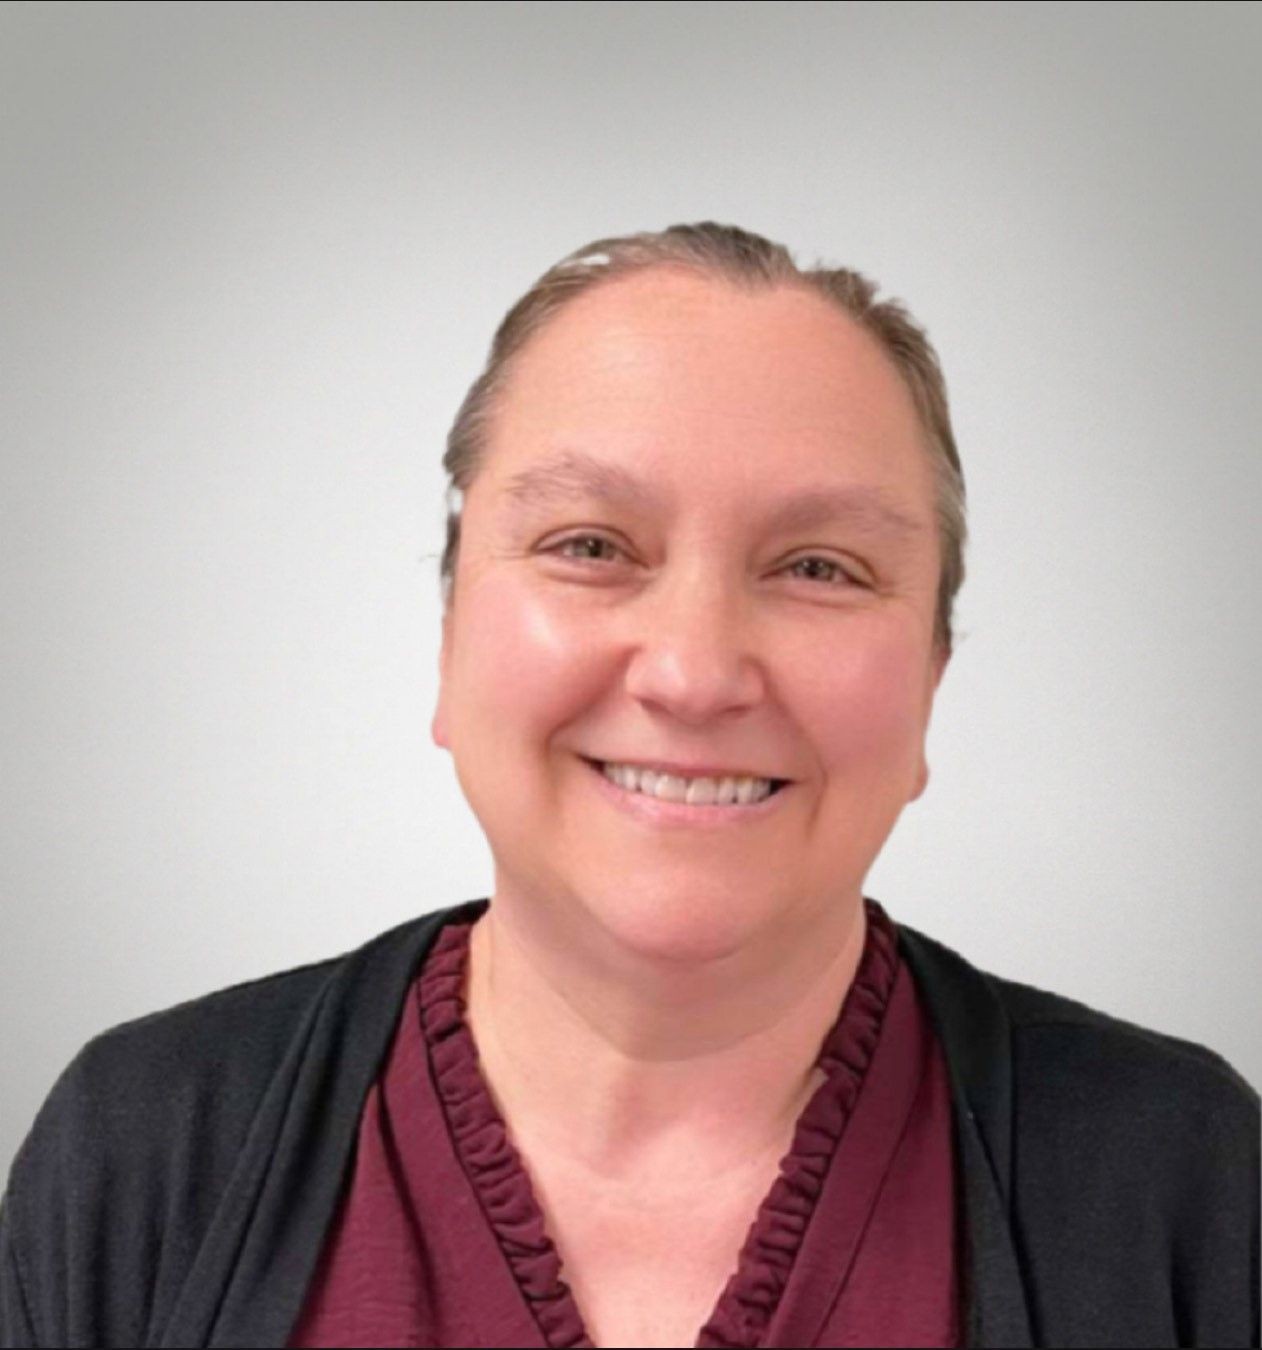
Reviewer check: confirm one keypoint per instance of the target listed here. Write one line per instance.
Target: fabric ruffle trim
(489, 1157)
(749, 1300)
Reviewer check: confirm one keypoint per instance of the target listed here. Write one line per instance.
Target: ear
(438, 727)
(940, 662)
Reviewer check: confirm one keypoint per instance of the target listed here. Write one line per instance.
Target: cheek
(860, 698)
(521, 667)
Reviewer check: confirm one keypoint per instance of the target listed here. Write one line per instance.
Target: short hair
(749, 261)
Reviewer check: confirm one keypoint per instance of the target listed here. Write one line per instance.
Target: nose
(693, 656)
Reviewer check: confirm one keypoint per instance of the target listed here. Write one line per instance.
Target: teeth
(701, 792)
(670, 787)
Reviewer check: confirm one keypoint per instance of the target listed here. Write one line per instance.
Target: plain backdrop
(251, 257)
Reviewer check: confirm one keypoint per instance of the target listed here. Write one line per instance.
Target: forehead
(681, 375)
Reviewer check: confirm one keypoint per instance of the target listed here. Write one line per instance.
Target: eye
(814, 567)
(585, 548)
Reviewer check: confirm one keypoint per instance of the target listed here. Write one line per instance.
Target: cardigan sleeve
(143, 1163)
(16, 1330)
(1136, 1188)
(37, 1220)
(76, 1238)
(1215, 1245)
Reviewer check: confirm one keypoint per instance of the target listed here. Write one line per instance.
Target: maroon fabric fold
(481, 1138)
(440, 1239)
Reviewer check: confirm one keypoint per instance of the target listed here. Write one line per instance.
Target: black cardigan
(177, 1183)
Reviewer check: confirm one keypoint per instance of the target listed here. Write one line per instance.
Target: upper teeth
(695, 791)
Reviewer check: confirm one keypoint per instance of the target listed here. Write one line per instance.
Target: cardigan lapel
(976, 1039)
(253, 1269)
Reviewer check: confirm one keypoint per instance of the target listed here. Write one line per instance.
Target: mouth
(715, 789)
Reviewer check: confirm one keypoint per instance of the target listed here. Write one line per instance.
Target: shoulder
(247, 1021)
(197, 1066)
(1136, 1164)
(1102, 1058)
(134, 1145)
(229, 1029)
(197, 1070)
(163, 1130)
(1056, 1034)
(1128, 1157)
(1080, 1073)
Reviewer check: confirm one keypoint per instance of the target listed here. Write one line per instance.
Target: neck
(629, 1069)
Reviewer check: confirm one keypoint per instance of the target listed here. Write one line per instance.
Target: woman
(678, 1082)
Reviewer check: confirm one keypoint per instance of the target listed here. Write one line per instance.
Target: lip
(654, 811)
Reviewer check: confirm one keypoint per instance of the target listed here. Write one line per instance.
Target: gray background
(252, 256)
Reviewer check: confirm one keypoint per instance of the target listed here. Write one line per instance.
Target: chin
(680, 920)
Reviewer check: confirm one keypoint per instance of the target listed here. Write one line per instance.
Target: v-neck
(765, 1262)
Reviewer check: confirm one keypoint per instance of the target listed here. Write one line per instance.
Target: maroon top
(439, 1240)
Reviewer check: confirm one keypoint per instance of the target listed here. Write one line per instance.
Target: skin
(648, 999)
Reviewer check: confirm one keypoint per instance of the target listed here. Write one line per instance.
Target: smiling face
(702, 538)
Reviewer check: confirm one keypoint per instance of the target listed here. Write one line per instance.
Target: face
(702, 539)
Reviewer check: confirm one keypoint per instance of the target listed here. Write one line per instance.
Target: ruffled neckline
(494, 1167)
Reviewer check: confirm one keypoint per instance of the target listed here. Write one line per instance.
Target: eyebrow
(572, 475)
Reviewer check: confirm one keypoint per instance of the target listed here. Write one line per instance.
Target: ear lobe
(438, 729)
(940, 662)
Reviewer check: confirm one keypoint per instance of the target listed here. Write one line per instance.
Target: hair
(749, 261)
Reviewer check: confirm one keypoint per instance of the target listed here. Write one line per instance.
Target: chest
(648, 1270)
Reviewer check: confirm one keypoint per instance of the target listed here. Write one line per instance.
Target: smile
(728, 790)
(667, 796)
